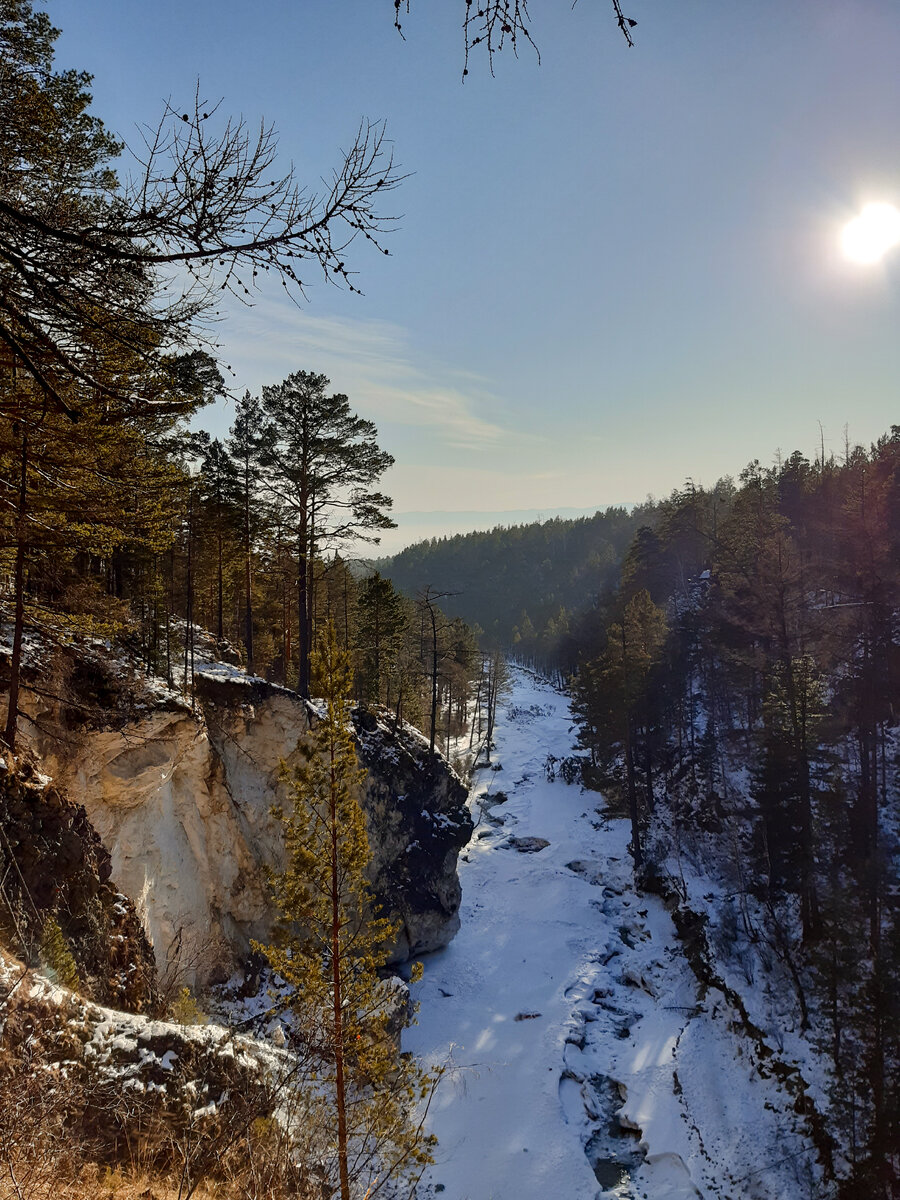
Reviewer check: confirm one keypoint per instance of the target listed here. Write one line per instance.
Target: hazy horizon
(421, 525)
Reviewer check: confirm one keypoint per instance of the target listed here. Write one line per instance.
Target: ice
(580, 1059)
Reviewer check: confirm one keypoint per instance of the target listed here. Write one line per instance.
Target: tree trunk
(171, 601)
(434, 675)
(248, 572)
(633, 799)
(12, 712)
(377, 652)
(336, 991)
(302, 621)
(189, 604)
(491, 707)
(346, 615)
(220, 624)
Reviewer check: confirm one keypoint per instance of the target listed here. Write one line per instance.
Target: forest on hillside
(523, 586)
(734, 657)
(117, 519)
(732, 652)
(739, 692)
(183, 547)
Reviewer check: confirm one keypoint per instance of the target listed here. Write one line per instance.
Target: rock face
(53, 865)
(418, 822)
(182, 800)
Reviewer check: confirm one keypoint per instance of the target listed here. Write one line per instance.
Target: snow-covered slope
(582, 1058)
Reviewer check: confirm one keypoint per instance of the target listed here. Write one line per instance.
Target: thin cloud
(373, 362)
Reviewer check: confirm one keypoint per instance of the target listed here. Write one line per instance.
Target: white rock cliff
(182, 801)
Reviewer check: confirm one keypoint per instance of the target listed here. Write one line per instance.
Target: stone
(527, 845)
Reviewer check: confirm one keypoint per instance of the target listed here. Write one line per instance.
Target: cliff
(183, 801)
(55, 875)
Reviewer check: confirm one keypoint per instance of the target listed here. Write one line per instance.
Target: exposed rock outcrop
(183, 802)
(418, 822)
(54, 866)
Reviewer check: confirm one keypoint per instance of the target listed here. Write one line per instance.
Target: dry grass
(45, 1155)
(71, 1129)
(101, 1183)
(61, 1140)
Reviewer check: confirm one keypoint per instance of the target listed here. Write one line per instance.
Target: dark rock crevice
(53, 865)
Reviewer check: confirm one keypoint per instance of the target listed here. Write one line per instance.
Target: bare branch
(496, 25)
(91, 270)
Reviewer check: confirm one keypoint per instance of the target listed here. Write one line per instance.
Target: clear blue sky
(614, 270)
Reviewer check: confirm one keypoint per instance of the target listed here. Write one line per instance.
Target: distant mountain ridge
(517, 516)
(518, 577)
(418, 525)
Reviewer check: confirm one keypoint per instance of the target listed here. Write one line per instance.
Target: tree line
(154, 532)
(526, 587)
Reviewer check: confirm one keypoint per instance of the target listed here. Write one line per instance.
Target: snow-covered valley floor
(582, 1061)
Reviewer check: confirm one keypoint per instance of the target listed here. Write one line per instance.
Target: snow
(124, 1046)
(223, 672)
(581, 1059)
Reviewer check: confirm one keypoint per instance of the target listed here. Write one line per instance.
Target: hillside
(522, 581)
(141, 841)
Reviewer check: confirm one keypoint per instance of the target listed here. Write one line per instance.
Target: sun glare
(868, 237)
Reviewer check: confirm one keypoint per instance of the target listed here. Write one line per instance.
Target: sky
(613, 270)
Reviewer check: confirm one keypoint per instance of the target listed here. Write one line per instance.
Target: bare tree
(428, 598)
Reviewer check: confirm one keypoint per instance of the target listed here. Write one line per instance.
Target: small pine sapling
(331, 945)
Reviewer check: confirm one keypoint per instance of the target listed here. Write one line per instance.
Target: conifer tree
(382, 622)
(613, 689)
(220, 504)
(72, 496)
(320, 464)
(243, 448)
(339, 600)
(331, 948)
(87, 262)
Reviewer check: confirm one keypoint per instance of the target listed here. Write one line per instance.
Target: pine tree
(243, 448)
(382, 621)
(84, 257)
(611, 693)
(73, 496)
(331, 948)
(320, 463)
(219, 496)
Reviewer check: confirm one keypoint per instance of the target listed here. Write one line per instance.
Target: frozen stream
(582, 1062)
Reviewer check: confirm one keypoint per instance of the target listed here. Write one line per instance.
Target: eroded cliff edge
(182, 800)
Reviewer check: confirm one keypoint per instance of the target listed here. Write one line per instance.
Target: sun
(868, 237)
